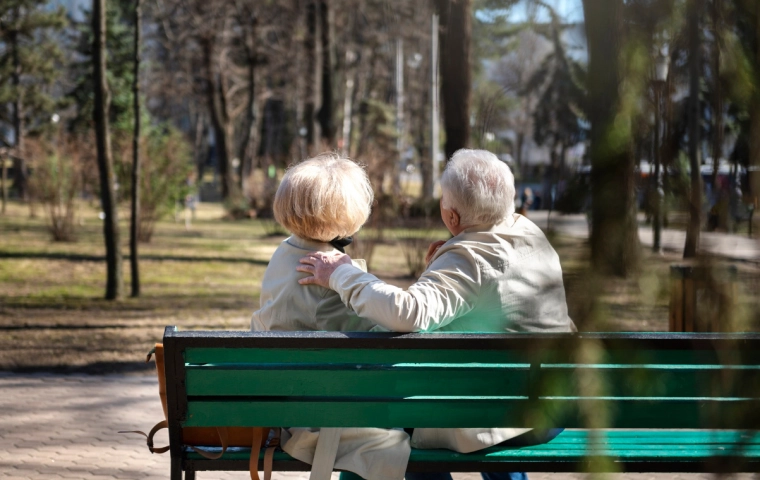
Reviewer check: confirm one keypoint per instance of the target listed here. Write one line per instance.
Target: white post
(399, 113)
(348, 103)
(435, 133)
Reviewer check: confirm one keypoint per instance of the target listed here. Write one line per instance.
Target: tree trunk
(134, 260)
(753, 170)
(695, 197)
(311, 73)
(519, 150)
(5, 181)
(326, 113)
(20, 168)
(247, 151)
(422, 116)
(220, 122)
(615, 244)
(201, 148)
(114, 283)
(456, 77)
(717, 103)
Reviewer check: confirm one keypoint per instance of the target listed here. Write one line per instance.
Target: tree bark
(519, 150)
(717, 103)
(455, 67)
(695, 197)
(114, 283)
(311, 73)
(20, 168)
(326, 113)
(220, 121)
(615, 247)
(753, 167)
(248, 147)
(134, 260)
(4, 179)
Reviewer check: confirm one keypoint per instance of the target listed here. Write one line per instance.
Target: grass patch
(53, 316)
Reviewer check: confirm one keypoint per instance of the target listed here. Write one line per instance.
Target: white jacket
(491, 278)
(372, 453)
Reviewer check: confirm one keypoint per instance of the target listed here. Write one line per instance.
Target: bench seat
(571, 451)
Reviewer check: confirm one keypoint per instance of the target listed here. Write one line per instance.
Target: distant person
(323, 201)
(526, 200)
(497, 274)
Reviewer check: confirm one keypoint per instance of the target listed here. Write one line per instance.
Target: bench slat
(474, 412)
(355, 381)
(403, 380)
(674, 451)
(552, 352)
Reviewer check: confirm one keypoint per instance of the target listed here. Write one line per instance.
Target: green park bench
(631, 402)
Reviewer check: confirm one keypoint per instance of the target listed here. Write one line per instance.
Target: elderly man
(497, 274)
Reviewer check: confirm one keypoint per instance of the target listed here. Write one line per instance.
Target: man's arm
(445, 291)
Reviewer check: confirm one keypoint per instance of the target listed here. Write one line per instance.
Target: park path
(56, 426)
(725, 245)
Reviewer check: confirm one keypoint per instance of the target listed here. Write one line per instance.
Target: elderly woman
(497, 274)
(323, 201)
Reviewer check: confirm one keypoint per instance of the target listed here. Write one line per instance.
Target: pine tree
(120, 73)
(557, 117)
(29, 65)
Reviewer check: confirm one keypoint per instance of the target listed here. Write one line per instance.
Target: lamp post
(659, 79)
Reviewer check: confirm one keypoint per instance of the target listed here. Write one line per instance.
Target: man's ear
(454, 218)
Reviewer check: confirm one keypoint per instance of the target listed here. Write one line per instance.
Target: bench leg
(190, 475)
(176, 468)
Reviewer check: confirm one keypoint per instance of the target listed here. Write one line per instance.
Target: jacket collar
(310, 245)
(505, 224)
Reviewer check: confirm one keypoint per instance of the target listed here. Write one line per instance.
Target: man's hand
(432, 249)
(321, 265)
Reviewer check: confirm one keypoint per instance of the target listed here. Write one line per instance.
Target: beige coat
(492, 278)
(373, 453)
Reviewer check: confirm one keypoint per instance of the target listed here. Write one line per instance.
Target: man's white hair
(479, 186)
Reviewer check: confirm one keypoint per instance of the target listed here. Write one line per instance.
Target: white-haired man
(497, 274)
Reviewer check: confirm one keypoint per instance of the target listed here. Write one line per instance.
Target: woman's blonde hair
(323, 198)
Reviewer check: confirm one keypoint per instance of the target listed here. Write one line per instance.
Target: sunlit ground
(206, 275)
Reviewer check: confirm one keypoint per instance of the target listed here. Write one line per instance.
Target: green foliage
(119, 65)
(30, 33)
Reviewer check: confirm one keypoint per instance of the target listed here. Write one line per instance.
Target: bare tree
(695, 197)
(754, 137)
(134, 261)
(114, 283)
(515, 70)
(326, 113)
(456, 71)
(615, 244)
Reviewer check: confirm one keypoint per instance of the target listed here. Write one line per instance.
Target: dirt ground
(207, 276)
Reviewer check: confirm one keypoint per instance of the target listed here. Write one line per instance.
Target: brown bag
(224, 437)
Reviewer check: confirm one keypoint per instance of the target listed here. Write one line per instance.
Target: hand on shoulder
(321, 266)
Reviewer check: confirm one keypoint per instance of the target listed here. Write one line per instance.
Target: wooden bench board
(572, 449)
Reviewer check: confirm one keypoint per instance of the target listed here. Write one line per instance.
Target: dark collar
(340, 244)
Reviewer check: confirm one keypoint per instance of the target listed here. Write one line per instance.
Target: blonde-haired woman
(323, 201)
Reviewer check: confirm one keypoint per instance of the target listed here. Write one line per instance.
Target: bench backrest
(330, 379)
